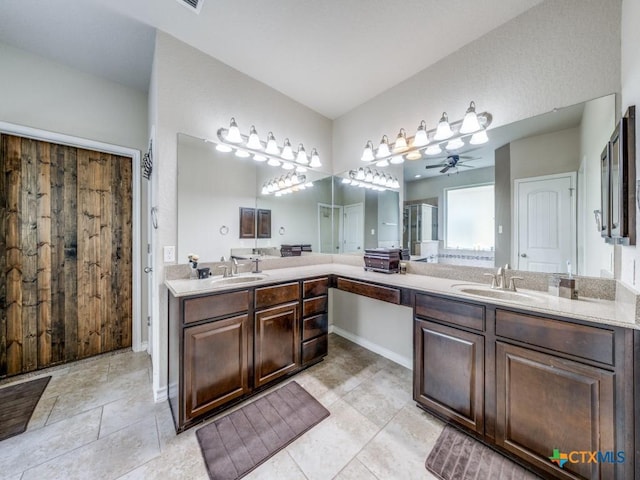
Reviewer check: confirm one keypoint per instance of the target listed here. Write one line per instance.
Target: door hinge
(571, 191)
(148, 320)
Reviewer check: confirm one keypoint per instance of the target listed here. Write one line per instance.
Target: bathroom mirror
(214, 186)
(521, 159)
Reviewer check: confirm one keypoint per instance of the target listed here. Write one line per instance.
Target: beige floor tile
(329, 446)
(91, 374)
(280, 466)
(38, 446)
(128, 362)
(107, 458)
(83, 399)
(379, 398)
(125, 411)
(355, 470)
(41, 413)
(401, 448)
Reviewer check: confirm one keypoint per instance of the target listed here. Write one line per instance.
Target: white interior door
(353, 228)
(328, 228)
(545, 223)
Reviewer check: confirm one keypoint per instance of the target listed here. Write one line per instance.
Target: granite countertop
(594, 310)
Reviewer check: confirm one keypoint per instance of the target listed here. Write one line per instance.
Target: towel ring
(224, 230)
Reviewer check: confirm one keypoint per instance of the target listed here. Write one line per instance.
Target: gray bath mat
(457, 456)
(237, 443)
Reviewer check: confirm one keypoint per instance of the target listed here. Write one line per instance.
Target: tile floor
(97, 420)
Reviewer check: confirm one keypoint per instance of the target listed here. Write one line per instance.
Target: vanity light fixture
(398, 159)
(446, 136)
(301, 169)
(230, 139)
(285, 184)
(368, 178)
(287, 151)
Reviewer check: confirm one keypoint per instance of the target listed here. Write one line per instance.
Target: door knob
(523, 255)
(148, 269)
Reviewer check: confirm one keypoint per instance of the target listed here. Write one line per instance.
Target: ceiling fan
(453, 161)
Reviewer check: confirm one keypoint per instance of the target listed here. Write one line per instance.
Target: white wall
(598, 119)
(630, 73)
(382, 327)
(39, 93)
(197, 94)
(555, 54)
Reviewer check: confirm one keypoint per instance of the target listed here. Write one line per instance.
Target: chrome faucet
(226, 272)
(256, 268)
(234, 266)
(499, 279)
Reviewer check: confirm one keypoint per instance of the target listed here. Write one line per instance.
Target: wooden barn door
(65, 253)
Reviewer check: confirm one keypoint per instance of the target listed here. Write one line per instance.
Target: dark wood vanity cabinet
(449, 361)
(315, 319)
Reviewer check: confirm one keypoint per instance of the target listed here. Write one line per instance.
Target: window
(470, 217)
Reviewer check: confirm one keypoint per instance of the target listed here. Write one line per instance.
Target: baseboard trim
(160, 395)
(374, 347)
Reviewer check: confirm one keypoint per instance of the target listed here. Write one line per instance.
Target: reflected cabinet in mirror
(223, 209)
(526, 198)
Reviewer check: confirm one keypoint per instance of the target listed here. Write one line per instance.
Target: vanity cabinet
(315, 319)
(277, 334)
(449, 360)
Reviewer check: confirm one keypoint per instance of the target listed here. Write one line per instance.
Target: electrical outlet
(500, 229)
(169, 254)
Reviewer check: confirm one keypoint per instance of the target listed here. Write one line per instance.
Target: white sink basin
(488, 292)
(239, 279)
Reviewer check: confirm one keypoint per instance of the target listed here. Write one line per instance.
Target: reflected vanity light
(284, 185)
(447, 135)
(231, 139)
(372, 179)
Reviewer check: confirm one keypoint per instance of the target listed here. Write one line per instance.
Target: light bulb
(454, 144)
(265, 190)
(315, 159)
(221, 147)
(433, 150)
(242, 154)
(400, 144)
(281, 183)
(395, 183)
(383, 148)
(479, 138)
(376, 178)
(388, 181)
(470, 123)
(301, 157)
(273, 162)
(360, 174)
(287, 166)
(254, 140)
(287, 151)
(294, 179)
(233, 134)
(413, 155)
(368, 176)
(421, 138)
(367, 154)
(398, 159)
(443, 131)
(346, 180)
(272, 146)
(382, 163)
(287, 181)
(259, 158)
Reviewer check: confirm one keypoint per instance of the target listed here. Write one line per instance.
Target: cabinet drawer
(314, 349)
(386, 294)
(582, 341)
(212, 306)
(269, 296)
(315, 288)
(314, 326)
(450, 311)
(313, 306)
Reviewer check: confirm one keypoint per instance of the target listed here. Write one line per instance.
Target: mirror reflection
(539, 177)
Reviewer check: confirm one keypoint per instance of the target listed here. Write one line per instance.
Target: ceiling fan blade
(464, 165)
(435, 166)
(445, 169)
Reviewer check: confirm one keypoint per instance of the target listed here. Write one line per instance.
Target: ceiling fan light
(315, 159)
(398, 159)
(454, 144)
(233, 134)
(383, 148)
(254, 141)
(272, 146)
(400, 144)
(433, 150)
(443, 131)
(367, 153)
(421, 138)
(470, 122)
(287, 151)
(221, 147)
(479, 138)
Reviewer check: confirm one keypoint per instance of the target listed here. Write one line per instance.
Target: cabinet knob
(523, 255)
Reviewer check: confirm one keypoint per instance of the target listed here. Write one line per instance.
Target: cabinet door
(216, 364)
(277, 342)
(544, 403)
(449, 373)
(264, 223)
(247, 222)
